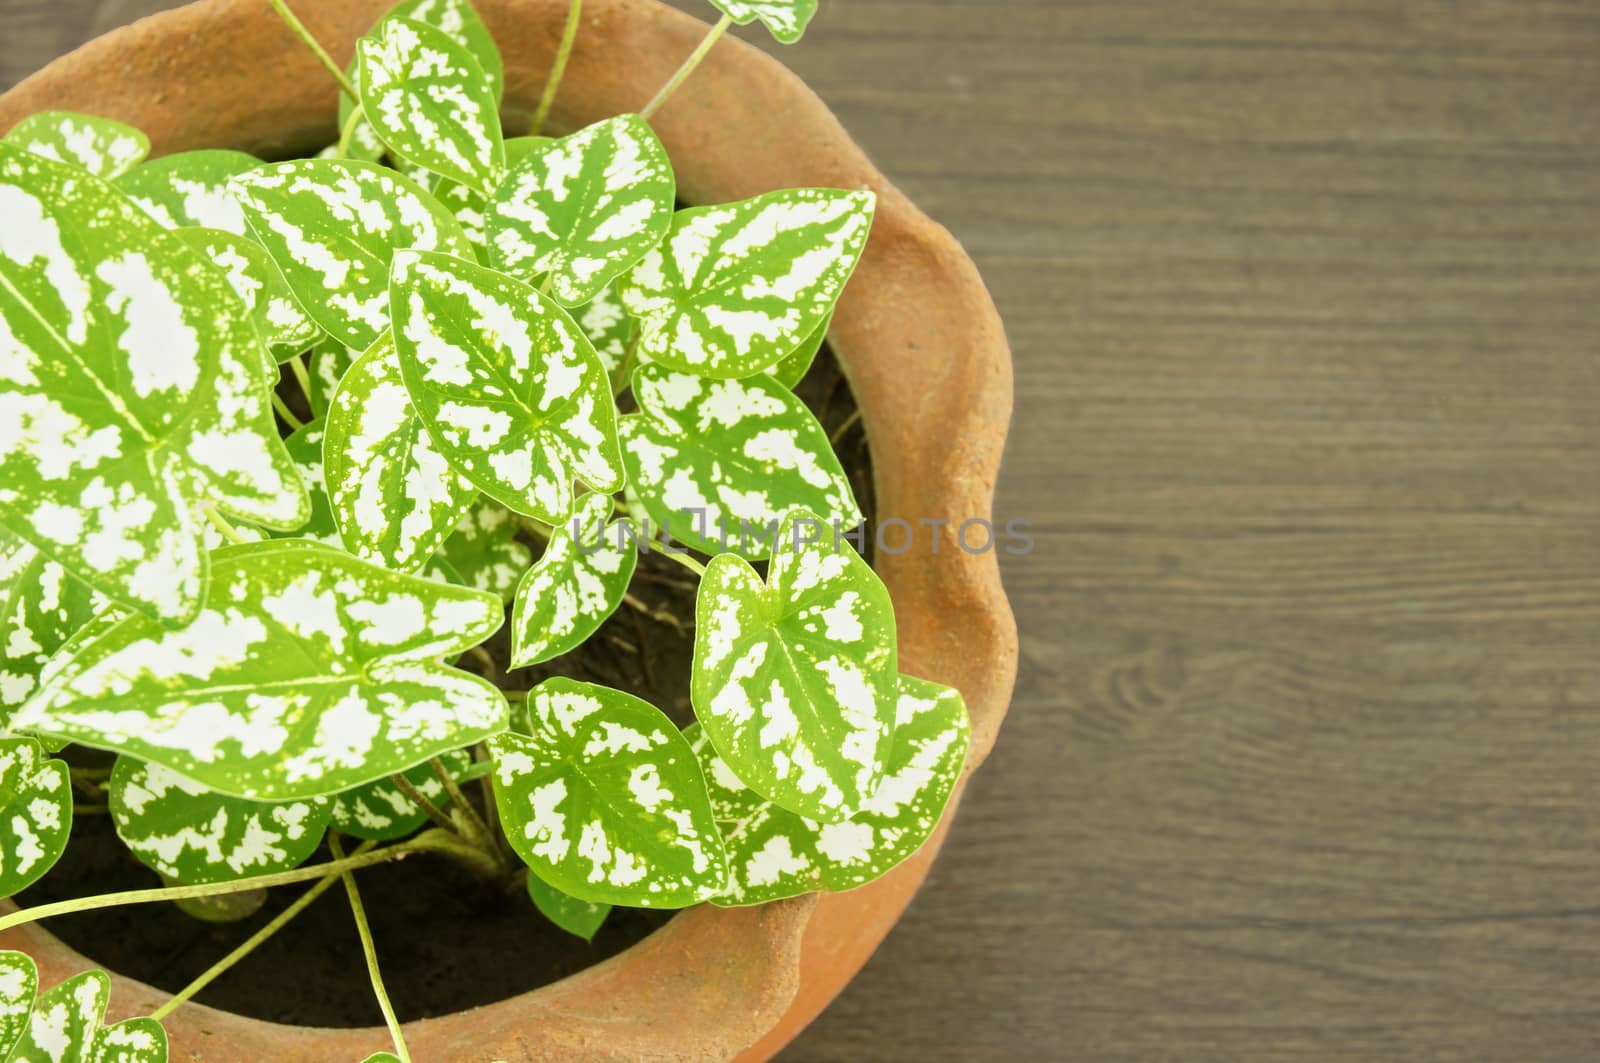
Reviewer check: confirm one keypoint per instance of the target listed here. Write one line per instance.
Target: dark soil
(445, 941)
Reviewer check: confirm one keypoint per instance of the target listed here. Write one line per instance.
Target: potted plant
(266, 586)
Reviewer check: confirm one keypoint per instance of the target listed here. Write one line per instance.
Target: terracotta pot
(923, 348)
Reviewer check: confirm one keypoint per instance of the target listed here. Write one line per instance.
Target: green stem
(687, 68)
(294, 423)
(347, 134)
(253, 942)
(323, 57)
(619, 379)
(685, 560)
(538, 527)
(302, 375)
(559, 68)
(420, 799)
(371, 952)
(229, 532)
(839, 433)
(219, 889)
(475, 824)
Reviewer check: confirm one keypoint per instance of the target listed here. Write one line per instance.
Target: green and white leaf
(731, 800)
(395, 497)
(578, 582)
(35, 813)
(794, 368)
(605, 800)
(99, 145)
(719, 462)
(794, 679)
(578, 918)
(608, 327)
(774, 853)
(284, 326)
(735, 289)
(41, 606)
(578, 211)
(378, 811)
(192, 835)
(329, 362)
(333, 227)
(65, 1025)
(786, 19)
(132, 384)
(429, 100)
(305, 447)
(484, 551)
(509, 387)
(471, 206)
(309, 672)
(190, 189)
(457, 18)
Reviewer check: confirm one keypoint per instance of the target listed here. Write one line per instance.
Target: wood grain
(1305, 298)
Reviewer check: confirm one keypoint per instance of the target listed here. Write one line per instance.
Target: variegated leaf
(35, 813)
(305, 447)
(609, 328)
(192, 835)
(471, 206)
(484, 551)
(329, 362)
(284, 326)
(578, 918)
(578, 211)
(794, 680)
(429, 100)
(458, 19)
(719, 462)
(731, 800)
(190, 189)
(773, 853)
(308, 672)
(507, 384)
(395, 498)
(785, 19)
(379, 811)
(736, 289)
(333, 227)
(66, 1024)
(794, 368)
(605, 800)
(99, 145)
(132, 384)
(578, 582)
(41, 606)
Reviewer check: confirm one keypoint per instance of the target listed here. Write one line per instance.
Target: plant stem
(839, 433)
(683, 559)
(687, 68)
(253, 942)
(229, 532)
(302, 375)
(371, 952)
(420, 799)
(538, 527)
(559, 68)
(323, 57)
(619, 379)
(491, 811)
(482, 835)
(660, 615)
(218, 889)
(347, 134)
(294, 423)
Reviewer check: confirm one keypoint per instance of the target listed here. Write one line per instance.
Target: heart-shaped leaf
(609, 328)
(429, 100)
(736, 289)
(786, 19)
(192, 835)
(579, 581)
(35, 813)
(578, 211)
(456, 18)
(190, 189)
(98, 145)
(333, 227)
(64, 1025)
(379, 811)
(41, 606)
(308, 672)
(578, 918)
(794, 368)
(794, 680)
(284, 326)
(484, 551)
(507, 384)
(774, 853)
(605, 800)
(719, 462)
(394, 496)
(132, 384)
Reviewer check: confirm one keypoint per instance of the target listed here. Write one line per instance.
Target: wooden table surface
(1305, 298)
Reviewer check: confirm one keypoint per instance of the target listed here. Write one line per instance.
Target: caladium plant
(283, 446)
